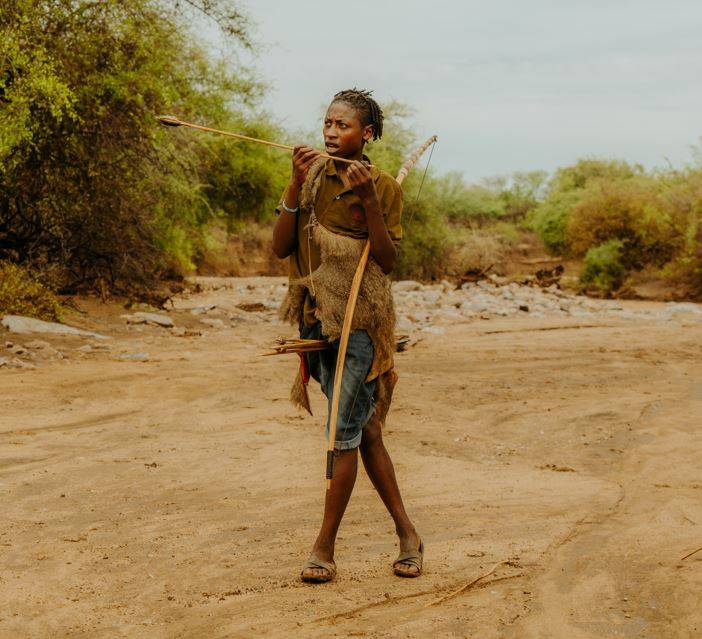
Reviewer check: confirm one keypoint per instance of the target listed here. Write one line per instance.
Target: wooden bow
(348, 318)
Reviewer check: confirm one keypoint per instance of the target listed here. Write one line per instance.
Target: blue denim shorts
(356, 404)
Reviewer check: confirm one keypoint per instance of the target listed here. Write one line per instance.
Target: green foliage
(604, 269)
(426, 244)
(550, 219)
(629, 211)
(244, 181)
(21, 294)
(88, 179)
(583, 172)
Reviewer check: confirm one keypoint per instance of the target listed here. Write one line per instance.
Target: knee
(372, 436)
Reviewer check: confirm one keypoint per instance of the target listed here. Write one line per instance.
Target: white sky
(506, 85)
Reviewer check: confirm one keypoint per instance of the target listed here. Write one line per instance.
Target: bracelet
(289, 210)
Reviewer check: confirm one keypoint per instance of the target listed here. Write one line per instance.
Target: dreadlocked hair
(368, 109)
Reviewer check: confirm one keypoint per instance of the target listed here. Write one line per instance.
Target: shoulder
(387, 185)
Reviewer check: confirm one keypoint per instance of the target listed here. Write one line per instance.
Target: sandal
(315, 562)
(410, 558)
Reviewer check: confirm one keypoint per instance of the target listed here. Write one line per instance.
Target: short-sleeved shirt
(339, 210)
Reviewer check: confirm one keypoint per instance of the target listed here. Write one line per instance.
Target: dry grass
(21, 294)
(246, 253)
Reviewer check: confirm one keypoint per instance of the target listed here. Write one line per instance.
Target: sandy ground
(179, 497)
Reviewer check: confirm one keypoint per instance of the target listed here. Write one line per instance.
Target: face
(344, 135)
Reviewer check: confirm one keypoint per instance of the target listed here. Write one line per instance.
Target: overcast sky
(506, 85)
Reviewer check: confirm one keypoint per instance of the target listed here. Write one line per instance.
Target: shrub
(425, 247)
(550, 219)
(88, 178)
(626, 210)
(478, 250)
(603, 268)
(21, 294)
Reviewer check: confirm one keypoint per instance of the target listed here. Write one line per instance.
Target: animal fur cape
(375, 310)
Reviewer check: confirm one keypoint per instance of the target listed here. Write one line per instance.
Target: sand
(179, 497)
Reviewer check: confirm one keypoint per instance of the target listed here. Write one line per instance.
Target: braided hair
(368, 109)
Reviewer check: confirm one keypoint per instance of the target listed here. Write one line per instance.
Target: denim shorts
(356, 404)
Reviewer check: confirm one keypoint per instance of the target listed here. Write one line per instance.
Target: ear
(367, 133)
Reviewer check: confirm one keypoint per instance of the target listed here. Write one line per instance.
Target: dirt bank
(179, 496)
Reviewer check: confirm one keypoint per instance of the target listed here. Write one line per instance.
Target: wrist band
(289, 210)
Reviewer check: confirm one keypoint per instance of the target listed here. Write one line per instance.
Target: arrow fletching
(168, 120)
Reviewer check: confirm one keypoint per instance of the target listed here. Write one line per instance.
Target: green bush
(89, 180)
(629, 211)
(550, 220)
(21, 294)
(603, 269)
(426, 245)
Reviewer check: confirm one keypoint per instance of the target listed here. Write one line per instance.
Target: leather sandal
(410, 558)
(316, 562)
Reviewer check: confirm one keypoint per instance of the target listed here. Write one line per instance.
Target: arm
(285, 229)
(381, 245)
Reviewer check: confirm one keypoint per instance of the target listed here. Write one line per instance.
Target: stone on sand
(26, 325)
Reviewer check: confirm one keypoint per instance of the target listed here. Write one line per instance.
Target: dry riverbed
(158, 484)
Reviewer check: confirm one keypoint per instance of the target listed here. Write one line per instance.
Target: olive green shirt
(339, 210)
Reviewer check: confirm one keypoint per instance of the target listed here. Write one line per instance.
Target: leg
(382, 474)
(355, 404)
(337, 497)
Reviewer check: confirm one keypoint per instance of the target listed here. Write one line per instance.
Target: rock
(4, 361)
(524, 307)
(9, 344)
(404, 324)
(431, 296)
(202, 310)
(151, 318)
(133, 357)
(25, 325)
(214, 323)
(38, 344)
(683, 307)
(238, 316)
(252, 307)
(406, 285)
(434, 330)
(18, 349)
(86, 348)
(18, 363)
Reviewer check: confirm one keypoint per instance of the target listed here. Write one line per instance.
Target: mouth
(331, 148)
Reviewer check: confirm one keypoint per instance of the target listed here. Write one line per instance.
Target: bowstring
(421, 184)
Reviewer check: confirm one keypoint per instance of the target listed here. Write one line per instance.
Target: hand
(303, 157)
(361, 182)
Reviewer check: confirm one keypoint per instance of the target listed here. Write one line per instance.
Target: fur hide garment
(375, 310)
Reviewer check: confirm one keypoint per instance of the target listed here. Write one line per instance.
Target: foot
(409, 561)
(320, 567)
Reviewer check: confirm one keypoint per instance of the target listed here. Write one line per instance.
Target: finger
(312, 153)
(362, 169)
(301, 150)
(307, 164)
(305, 159)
